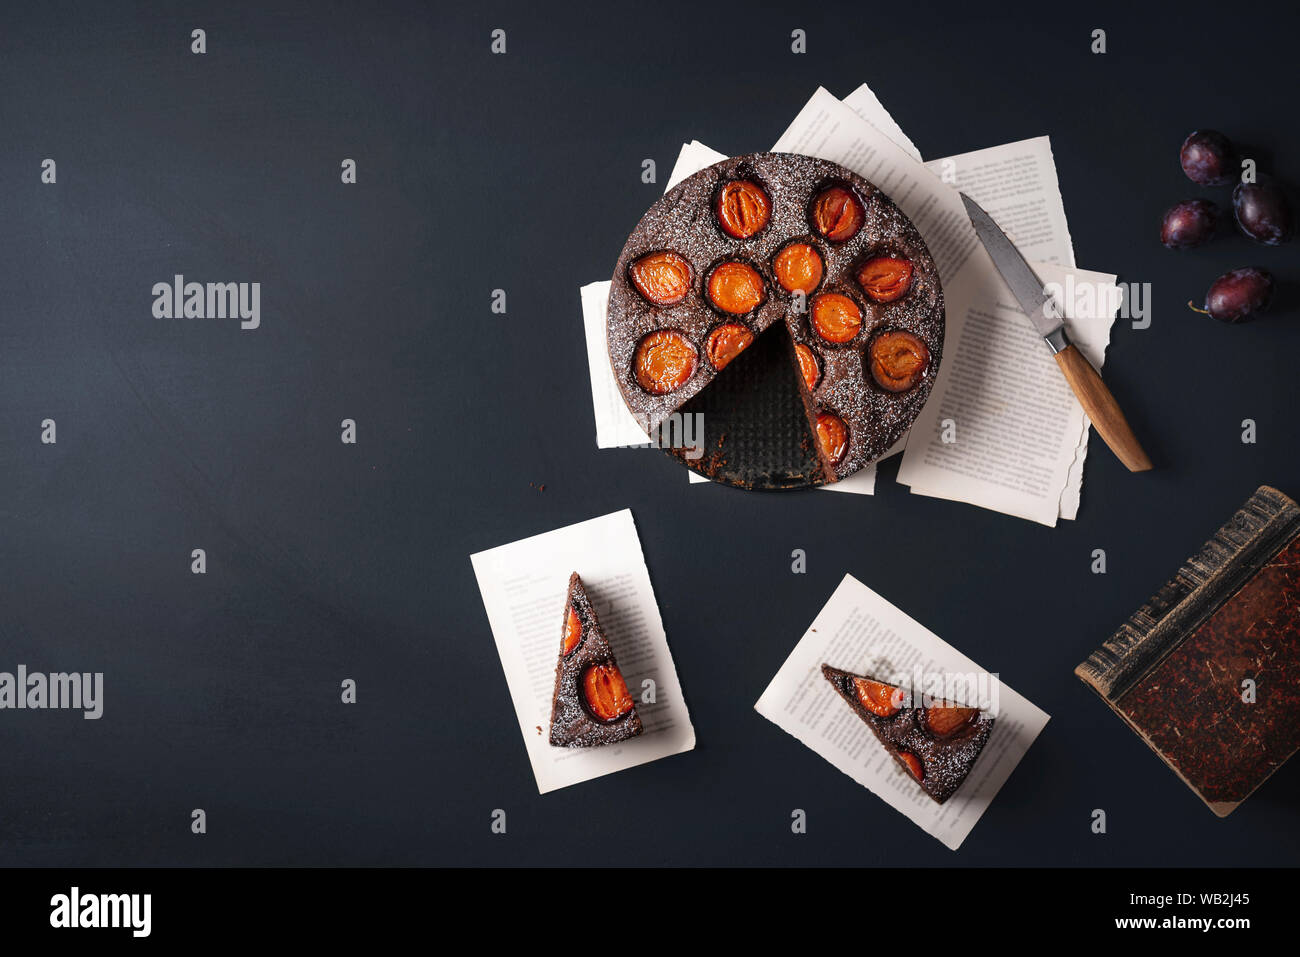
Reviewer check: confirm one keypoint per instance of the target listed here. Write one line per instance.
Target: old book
(1208, 671)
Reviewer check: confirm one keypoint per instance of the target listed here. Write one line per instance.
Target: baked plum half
(898, 360)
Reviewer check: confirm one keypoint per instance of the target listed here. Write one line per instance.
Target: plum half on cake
(591, 705)
(937, 744)
(785, 240)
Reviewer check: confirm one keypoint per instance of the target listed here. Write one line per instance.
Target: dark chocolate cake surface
(685, 222)
(945, 760)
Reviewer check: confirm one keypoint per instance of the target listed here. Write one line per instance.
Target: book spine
(1255, 534)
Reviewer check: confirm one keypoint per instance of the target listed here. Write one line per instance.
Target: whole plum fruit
(1209, 158)
(1189, 223)
(1262, 212)
(1238, 295)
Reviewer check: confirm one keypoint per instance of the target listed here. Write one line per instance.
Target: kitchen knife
(1091, 392)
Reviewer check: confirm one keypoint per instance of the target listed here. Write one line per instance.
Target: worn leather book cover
(1208, 671)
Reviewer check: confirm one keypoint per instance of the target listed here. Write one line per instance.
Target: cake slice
(937, 745)
(592, 705)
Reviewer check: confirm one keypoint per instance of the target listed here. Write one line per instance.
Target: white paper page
(864, 102)
(691, 158)
(1018, 426)
(1072, 494)
(524, 587)
(1016, 183)
(859, 631)
(615, 425)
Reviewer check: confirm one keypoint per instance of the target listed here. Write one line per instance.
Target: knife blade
(1047, 320)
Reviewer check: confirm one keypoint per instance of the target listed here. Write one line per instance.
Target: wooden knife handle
(1101, 407)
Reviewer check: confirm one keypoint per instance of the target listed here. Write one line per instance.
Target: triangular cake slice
(937, 745)
(592, 705)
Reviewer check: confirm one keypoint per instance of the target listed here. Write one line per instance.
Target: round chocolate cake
(776, 239)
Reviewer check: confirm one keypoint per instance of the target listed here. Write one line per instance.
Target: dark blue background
(522, 172)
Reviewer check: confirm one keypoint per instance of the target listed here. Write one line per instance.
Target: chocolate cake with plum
(936, 744)
(797, 243)
(592, 705)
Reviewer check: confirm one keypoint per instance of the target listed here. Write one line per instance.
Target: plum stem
(1204, 312)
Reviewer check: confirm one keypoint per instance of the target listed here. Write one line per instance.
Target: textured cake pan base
(755, 433)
